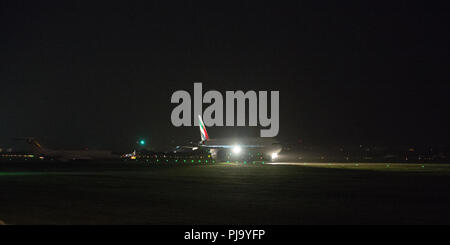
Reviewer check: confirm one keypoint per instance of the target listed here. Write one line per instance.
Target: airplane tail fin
(35, 146)
(202, 126)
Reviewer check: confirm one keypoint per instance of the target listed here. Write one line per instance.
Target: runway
(233, 193)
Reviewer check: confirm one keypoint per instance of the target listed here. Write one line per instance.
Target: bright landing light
(274, 156)
(236, 149)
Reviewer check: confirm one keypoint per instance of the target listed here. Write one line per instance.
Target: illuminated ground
(225, 194)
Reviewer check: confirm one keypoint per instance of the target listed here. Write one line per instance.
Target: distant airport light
(274, 156)
(236, 149)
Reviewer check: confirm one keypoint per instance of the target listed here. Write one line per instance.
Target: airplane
(219, 148)
(67, 155)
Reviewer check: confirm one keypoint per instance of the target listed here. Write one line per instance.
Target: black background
(79, 74)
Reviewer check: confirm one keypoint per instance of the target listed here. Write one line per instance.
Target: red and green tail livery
(203, 132)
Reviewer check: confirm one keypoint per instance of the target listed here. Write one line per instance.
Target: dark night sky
(101, 75)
